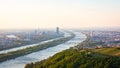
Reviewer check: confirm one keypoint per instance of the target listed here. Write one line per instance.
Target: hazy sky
(20, 14)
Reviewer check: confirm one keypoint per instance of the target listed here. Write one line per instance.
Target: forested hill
(73, 58)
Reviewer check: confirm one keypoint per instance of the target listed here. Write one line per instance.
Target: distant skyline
(32, 14)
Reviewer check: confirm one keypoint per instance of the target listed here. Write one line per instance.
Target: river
(43, 54)
(32, 45)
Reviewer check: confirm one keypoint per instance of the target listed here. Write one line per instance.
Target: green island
(14, 54)
(34, 39)
(79, 57)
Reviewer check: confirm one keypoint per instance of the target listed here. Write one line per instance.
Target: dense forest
(14, 54)
(72, 58)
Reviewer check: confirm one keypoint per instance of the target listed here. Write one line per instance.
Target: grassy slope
(108, 51)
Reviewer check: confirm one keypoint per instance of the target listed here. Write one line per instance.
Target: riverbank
(14, 54)
(21, 61)
(81, 57)
(35, 38)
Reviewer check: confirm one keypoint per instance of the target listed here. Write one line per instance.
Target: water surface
(42, 54)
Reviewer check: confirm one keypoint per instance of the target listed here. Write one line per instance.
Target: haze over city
(59, 33)
(25, 14)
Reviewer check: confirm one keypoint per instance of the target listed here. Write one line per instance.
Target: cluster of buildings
(10, 39)
(107, 38)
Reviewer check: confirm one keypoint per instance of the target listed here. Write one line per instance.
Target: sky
(32, 14)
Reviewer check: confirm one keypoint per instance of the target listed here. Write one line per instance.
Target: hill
(72, 58)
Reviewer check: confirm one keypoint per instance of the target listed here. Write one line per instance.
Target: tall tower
(28, 36)
(57, 30)
(91, 33)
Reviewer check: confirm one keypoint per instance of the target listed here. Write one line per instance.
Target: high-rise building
(57, 30)
(28, 36)
(91, 33)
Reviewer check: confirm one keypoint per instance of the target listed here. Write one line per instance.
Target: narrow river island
(43, 54)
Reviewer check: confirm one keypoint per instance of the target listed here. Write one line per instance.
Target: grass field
(108, 51)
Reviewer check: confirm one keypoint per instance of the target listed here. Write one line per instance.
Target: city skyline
(28, 14)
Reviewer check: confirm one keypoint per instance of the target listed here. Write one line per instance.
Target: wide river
(43, 54)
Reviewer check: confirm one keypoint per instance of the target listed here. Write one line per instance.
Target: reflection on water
(43, 54)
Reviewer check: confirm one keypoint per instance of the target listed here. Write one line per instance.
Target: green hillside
(108, 51)
(72, 58)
